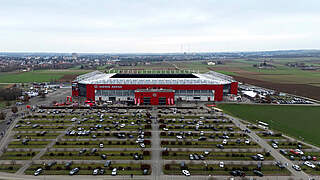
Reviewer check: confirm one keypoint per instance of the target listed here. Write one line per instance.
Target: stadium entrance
(154, 97)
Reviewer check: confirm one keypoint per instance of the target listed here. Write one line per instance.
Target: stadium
(153, 89)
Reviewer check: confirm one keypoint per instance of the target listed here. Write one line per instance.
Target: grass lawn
(9, 168)
(214, 169)
(242, 156)
(15, 155)
(31, 144)
(297, 121)
(86, 169)
(37, 76)
(111, 155)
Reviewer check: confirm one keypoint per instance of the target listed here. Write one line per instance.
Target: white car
(299, 151)
(101, 145)
(38, 171)
(260, 157)
(179, 137)
(191, 157)
(165, 129)
(114, 172)
(309, 164)
(225, 141)
(206, 153)
(221, 164)
(185, 172)
(122, 125)
(142, 145)
(95, 172)
(247, 141)
(296, 167)
(274, 145)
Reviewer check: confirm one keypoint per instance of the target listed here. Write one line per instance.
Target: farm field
(281, 78)
(297, 121)
(40, 76)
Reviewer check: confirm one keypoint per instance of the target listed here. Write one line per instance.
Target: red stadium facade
(154, 89)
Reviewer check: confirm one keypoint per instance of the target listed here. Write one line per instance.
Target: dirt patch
(234, 70)
(298, 89)
(68, 78)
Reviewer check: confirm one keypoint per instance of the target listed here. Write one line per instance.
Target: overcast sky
(122, 26)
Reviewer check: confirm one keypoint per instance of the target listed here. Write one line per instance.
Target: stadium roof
(114, 78)
(153, 76)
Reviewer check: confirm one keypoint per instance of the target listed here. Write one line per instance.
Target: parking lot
(146, 143)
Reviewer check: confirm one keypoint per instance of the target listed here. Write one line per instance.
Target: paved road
(41, 153)
(273, 152)
(156, 150)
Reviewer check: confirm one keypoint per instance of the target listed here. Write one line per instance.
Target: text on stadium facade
(108, 87)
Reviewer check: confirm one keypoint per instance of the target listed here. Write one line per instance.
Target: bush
(164, 142)
(146, 153)
(147, 142)
(167, 167)
(145, 166)
(163, 134)
(165, 153)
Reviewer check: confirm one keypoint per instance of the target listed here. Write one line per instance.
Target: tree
(26, 98)
(8, 103)
(14, 109)
(2, 115)
(42, 94)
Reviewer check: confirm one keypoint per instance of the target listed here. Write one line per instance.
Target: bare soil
(68, 78)
(297, 89)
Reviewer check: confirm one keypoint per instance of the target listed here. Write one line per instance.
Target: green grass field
(37, 76)
(296, 121)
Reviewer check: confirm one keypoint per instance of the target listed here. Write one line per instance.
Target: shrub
(167, 167)
(145, 166)
(146, 153)
(165, 153)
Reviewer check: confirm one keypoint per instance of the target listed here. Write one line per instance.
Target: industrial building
(154, 89)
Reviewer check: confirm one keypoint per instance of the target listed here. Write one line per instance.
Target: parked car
(68, 164)
(114, 172)
(221, 164)
(38, 171)
(107, 163)
(258, 173)
(274, 145)
(309, 164)
(74, 171)
(220, 146)
(186, 172)
(284, 152)
(296, 167)
(95, 172)
(279, 164)
(145, 172)
(103, 156)
(247, 141)
(191, 157)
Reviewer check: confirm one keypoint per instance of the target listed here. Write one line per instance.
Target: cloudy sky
(158, 25)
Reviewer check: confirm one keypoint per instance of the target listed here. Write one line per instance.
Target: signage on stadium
(108, 87)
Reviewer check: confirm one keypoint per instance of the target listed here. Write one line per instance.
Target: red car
(294, 152)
